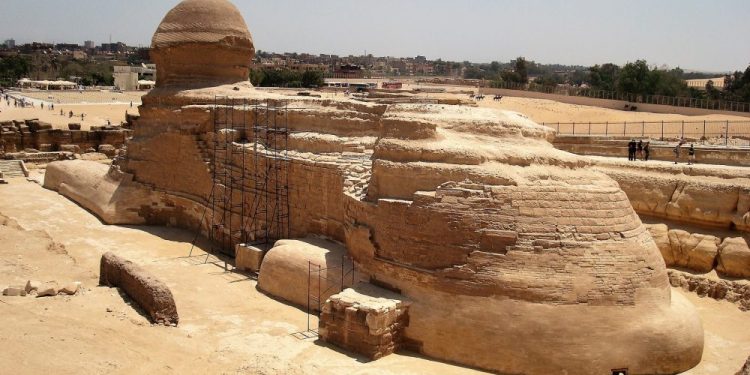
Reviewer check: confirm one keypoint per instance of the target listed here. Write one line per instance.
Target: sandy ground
(95, 114)
(226, 325)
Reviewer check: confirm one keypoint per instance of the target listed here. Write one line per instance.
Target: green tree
(604, 77)
(520, 66)
(634, 78)
(311, 79)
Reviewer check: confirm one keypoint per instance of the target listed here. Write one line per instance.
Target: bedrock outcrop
(515, 257)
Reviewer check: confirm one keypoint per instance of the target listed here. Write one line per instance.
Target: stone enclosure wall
(16, 136)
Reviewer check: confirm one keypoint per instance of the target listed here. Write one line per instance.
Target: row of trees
(40, 67)
(632, 78)
(274, 77)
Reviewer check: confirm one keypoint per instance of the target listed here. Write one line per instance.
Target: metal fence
(718, 105)
(727, 133)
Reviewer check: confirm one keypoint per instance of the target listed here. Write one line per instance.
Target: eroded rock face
(734, 258)
(694, 251)
(150, 293)
(202, 43)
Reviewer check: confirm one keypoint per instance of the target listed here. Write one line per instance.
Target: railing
(727, 133)
(719, 105)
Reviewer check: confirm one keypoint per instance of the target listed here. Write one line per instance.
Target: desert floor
(226, 325)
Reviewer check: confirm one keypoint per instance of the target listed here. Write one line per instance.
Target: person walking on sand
(70, 115)
(676, 151)
(646, 151)
(631, 150)
(691, 155)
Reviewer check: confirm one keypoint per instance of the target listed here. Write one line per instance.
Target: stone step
(12, 168)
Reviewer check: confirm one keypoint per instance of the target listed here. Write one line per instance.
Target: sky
(706, 35)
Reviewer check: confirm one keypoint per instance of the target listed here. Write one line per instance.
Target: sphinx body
(516, 257)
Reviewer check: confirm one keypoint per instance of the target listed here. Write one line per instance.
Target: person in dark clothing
(646, 151)
(631, 150)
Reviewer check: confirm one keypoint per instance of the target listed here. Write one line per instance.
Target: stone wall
(16, 136)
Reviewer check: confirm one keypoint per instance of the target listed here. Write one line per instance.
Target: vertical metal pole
(589, 127)
(662, 130)
(319, 289)
(624, 126)
(343, 263)
(682, 131)
(606, 128)
(643, 128)
(309, 274)
(726, 135)
(703, 138)
(574, 128)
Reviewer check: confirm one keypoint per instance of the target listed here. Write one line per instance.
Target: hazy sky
(711, 35)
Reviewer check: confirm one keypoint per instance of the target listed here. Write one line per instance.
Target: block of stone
(734, 258)
(14, 291)
(365, 319)
(74, 126)
(108, 150)
(70, 288)
(693, 251)
(248, 258)
(71, 148)
(47, 290)
(32, 286)
(151, 294)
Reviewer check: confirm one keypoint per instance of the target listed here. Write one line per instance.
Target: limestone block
(47, 290)
(660, 234)
(32, 286)
(248, 258)
(70, 288)
(694, 251)
(71, 148)
(734, 258)
(74, 126)
(365, 319)
(14, 291)
(228, 135)
(146, 290)
(108, 150)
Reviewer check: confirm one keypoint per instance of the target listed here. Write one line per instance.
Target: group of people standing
(638, 150)
(641, 151)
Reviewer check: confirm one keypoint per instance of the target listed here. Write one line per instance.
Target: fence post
(726, 135)
(589, 127)
(558, 128)
(643, 129)
(662, 130)
(574, 128)
(682, 132)
(624, 126)
(606, 128)
(704, 132)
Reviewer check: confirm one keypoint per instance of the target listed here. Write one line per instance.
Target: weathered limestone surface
(745, 369)
(465, 212)
(365, 319)
(150, 293)
(702, 252)
(696, 196)
(734, 258)
(288, 265)
(736, 292)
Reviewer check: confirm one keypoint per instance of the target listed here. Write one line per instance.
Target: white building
(135, 78)
(89, 44)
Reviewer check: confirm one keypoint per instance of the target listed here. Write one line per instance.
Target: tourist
(646, 151)
(640, 149)
(131, 104)
(676, 151)
(631, 150)
(61, 112)
(52, 107)
(82, 116)
(42, 105)
(691, 155)
(70, 115)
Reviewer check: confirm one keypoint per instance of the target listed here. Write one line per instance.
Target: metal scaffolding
(249, 202)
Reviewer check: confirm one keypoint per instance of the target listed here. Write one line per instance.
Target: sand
(96, 114)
